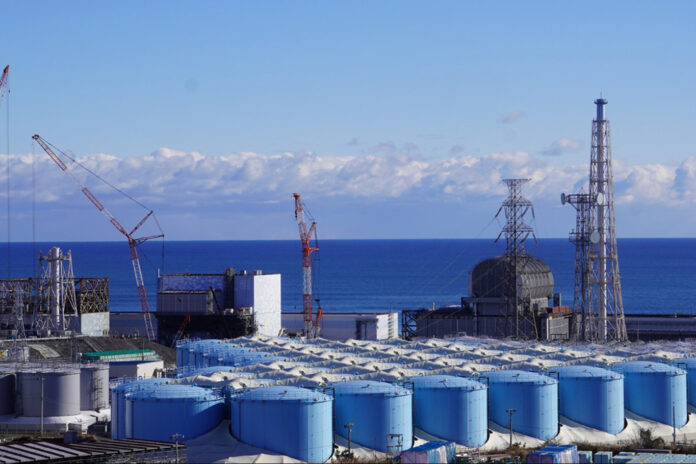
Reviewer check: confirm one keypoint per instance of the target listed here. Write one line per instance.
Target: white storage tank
(94, 387)
(59, 387)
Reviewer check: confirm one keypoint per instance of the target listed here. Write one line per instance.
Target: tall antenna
(597, 280)
(516, 232)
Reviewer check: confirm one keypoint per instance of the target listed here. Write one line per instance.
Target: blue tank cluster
(689, 365)
(288, 420)
(119, 395)
(592, 396)
(656, 391)
(534, 398)
(452, 408)
(381, 414)
(159, 413)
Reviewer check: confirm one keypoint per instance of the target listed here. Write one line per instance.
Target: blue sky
(393, 119)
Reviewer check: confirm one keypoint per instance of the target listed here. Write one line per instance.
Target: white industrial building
(261, 293)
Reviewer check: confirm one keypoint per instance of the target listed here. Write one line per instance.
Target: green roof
(99, 354)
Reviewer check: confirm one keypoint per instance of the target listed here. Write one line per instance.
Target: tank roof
(284, 393)
(646, 367)
(175, 393)
(590, 372)
(688, 362)
(488, 277)
(369, 387)
(515, 376)
(447, 382)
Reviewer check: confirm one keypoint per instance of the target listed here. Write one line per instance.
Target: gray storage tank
(452, 408)
(59, 387)
(7, 393)
(534, 398)
(94, 387)
(592, 396)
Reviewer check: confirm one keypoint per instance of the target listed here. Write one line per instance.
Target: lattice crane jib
(306, 234)
(133, 241)
(516, 208)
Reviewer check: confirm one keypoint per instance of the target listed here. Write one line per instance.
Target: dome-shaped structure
(487, 279)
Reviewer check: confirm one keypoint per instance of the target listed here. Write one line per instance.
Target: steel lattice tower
(597, 279)
(580, 237)
(516, 232)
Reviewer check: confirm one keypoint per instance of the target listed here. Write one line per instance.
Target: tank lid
(284, 393)
(577, 372)
(369, 387)
(135, 385)
(647, 367)
(446, 382)
(174, 393)
(515, 376)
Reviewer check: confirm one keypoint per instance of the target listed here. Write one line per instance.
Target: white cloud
(562, 145)
(511, 117)
(174, 179)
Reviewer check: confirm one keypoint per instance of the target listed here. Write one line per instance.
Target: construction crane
(133, 242)
(3, 81)
(311, 330)
(182, 327)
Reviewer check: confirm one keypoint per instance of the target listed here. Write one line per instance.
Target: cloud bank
(168, 177)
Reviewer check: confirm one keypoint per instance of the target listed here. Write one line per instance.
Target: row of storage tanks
(33, 390)
(300, 422)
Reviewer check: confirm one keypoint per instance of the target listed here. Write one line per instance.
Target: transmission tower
(516, 232)
(57, 303)
(580, 237)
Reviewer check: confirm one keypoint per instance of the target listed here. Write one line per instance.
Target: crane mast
(133, 242)
(305, 236)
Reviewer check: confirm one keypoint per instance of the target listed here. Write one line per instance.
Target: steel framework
(516, 232)
(55, 293)
(306, 234)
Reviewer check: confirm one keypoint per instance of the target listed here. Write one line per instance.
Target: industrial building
(344, 326)
(55, 302)
(228, 304)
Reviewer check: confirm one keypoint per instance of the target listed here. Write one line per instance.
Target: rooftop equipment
(381, 414)
(592, 396)
(655, 391)
(452, 408)
(533, 397)
(288, 420)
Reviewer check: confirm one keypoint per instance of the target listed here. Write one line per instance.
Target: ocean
(657, 275)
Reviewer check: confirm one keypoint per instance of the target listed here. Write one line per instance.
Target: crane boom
(305, 237)
(3, 81)
(132, 241)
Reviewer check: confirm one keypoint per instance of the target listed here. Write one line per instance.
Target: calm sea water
(658, 275)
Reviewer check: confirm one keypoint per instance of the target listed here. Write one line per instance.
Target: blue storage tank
(592, 396)
(292, 421)
(376, 410)
(452, 408)
(119, 393)
(533, 396)
(159, 413)
(689, 364)
(656, 391)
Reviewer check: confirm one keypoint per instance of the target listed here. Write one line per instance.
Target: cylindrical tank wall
(57, 391)
(94, 387)
(655, 391)
(172, 409)
(592, 396)
(7, 393)
(689, 364)
(119, 394)
(288, 420)
(378, 411)
(534, 398)
(451, 408)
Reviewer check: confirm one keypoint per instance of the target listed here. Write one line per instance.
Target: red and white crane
(311, 330)
(133, 242)
(3, 81)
